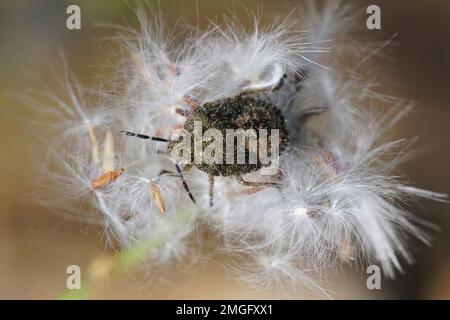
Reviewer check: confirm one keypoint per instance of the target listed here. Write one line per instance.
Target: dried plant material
(108, 153)
(94, 145)
(346, 253)
(172, 71)
(182, 112)
(326, 160)
(244, 192)
(336, 175)
(191, 103)
(138, 61)
(106, 178)
(155, 192)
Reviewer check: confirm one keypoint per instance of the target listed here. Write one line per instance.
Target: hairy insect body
(237, 114)
(215, 120)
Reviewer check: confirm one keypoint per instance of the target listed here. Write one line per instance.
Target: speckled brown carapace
(236, 113)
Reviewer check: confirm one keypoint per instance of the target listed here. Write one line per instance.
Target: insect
(239, 112)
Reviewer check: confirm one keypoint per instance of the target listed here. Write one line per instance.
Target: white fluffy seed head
(338, 200)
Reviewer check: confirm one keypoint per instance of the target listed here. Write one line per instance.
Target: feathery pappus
(335, 197)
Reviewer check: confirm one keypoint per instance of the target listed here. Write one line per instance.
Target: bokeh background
(36, 246)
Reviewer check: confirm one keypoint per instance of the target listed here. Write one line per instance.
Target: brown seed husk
(249, 191)
(155, 192)
(106, 178)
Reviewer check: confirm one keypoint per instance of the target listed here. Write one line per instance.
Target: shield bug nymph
(241, 112)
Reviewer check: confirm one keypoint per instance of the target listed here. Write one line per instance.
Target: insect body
(236, 113)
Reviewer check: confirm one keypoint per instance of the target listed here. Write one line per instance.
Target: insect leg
(184, 182)
(280, 84)
(211, 190)
(246, 183)
(143, 136)
(299, 79)
(167, 172)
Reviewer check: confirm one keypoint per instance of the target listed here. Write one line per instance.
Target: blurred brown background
(37, 246)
